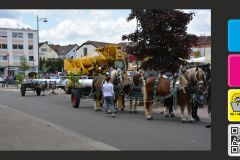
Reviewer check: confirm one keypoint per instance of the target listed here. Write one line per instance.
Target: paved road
(125, 132)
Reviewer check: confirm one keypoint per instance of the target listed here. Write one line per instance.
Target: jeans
(109, 101)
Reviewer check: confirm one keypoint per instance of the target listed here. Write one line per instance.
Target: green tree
(44, 67)
(161, 39)
(24, 64)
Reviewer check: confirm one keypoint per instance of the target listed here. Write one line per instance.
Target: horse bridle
(193, 82)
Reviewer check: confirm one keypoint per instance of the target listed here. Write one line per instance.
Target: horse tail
(144, 96)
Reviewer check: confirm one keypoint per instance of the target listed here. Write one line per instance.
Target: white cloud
(12, 23)
(99, 25)
(201, 22)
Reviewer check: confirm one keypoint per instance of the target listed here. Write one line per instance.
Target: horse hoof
(167, 115)
(149, 117)
(192, 121)
(208, 126)
(184, 120)
(197, 118)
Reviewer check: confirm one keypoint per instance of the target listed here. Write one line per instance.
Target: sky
(78, 26)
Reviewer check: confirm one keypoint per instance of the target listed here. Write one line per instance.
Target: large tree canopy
(161, 38)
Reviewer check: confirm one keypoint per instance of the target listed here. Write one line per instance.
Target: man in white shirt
(108, 94)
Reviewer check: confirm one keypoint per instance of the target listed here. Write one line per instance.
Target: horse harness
(173, 90)
(135, 91)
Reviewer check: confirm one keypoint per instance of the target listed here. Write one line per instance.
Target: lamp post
(33, 63)
(43, 20)
(8, 65)
(137, 44)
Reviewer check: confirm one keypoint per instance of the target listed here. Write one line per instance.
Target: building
(203, 48)
(89, 48)
(131, 59)
(46, 51)
(67, 51)
(14, 44)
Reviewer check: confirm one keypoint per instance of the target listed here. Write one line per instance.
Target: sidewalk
(20, 131)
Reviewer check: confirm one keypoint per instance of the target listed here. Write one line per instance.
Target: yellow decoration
(106, 54)
(234, 105)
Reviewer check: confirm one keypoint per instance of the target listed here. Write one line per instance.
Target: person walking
(108, 94)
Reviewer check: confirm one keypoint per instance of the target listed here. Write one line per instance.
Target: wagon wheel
(23, 90)
(75, 98)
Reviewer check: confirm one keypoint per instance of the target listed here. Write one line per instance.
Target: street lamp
(8, 65)
(43, 20)
(33, 63)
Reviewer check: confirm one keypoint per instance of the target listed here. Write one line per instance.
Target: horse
(190, 81)
(97, 84)
(116, 76)
(47, 85)
(44, 87)
(98, 81)
(132, 88)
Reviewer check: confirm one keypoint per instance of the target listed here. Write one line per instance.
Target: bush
(73, 81)
(19, 78)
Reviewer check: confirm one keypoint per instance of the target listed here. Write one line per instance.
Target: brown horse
(97, 84)
(132, 88)
(189, 81)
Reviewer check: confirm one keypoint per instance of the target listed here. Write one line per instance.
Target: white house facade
(203, 48)
(72, 53)
(14, 44)
(46, 52)
(86, 50)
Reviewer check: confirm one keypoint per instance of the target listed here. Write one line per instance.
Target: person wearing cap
(108, 94)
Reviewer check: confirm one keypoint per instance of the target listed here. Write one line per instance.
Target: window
(30, 35)
(14, 35)
(3, 34)
(3, 58)
(85, 51)
(44, 49)
(3, 46)
(20, 46)
(30, 47)
(31, 58)
(17, 35)
(20, 35)
(15, 58)
(17, 46)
